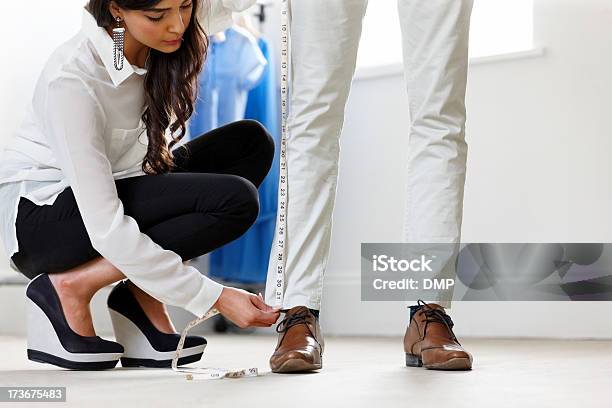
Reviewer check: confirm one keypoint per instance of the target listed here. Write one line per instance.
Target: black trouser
(209, 200)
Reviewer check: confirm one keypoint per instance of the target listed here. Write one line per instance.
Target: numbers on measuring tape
(281, 221)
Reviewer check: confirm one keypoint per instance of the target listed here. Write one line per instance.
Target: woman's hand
(245, 309)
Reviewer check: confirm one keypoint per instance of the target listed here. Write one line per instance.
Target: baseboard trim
(343, 313)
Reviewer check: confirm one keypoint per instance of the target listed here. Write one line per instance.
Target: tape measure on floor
(281, 225)
(207, 373)
(281, 217)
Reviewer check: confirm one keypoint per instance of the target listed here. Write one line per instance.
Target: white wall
(38, 26)
(538, 168)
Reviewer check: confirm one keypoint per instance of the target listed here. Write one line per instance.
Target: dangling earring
(119, 44)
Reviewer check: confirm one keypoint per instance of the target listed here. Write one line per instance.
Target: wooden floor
(362, 372)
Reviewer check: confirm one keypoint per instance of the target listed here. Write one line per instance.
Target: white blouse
(83, 129)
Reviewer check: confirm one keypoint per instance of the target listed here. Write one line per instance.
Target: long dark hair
(170, 84)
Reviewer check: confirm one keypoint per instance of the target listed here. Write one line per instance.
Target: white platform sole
(139, 352)
(44, 345)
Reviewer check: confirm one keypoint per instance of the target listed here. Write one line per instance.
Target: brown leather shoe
(430, 342)
(300, 343)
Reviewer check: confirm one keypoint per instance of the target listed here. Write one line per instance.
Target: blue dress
(234, 66)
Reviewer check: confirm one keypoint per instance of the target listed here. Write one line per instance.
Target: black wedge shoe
(52, 341)
(144, 345)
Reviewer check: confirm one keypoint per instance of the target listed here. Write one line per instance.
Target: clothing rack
(261, 15)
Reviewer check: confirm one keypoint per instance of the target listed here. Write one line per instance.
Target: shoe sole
(45, 347)
(141, 362)
(453, 364)
(46, 358)
(138, 352)
(296, 365)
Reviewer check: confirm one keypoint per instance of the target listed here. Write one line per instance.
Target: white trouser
(324, 41)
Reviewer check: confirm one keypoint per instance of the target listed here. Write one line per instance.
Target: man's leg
(324, 41)
(435, 47)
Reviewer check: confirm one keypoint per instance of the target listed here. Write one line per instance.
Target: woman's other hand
(246, 309)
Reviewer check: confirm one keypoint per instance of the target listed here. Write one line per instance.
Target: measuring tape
(281, 222)
(281, 217)
(201, 373)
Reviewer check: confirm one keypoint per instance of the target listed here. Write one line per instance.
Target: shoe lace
(433, 315)
(292, 320)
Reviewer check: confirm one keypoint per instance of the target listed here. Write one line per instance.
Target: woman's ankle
(154, 309)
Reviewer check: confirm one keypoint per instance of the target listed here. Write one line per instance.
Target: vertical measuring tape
(281, 225)
(281, 217)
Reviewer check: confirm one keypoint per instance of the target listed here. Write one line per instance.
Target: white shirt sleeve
(216, 15)
(75, 124)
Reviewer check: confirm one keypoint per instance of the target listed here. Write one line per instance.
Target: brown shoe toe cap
(447, 357)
